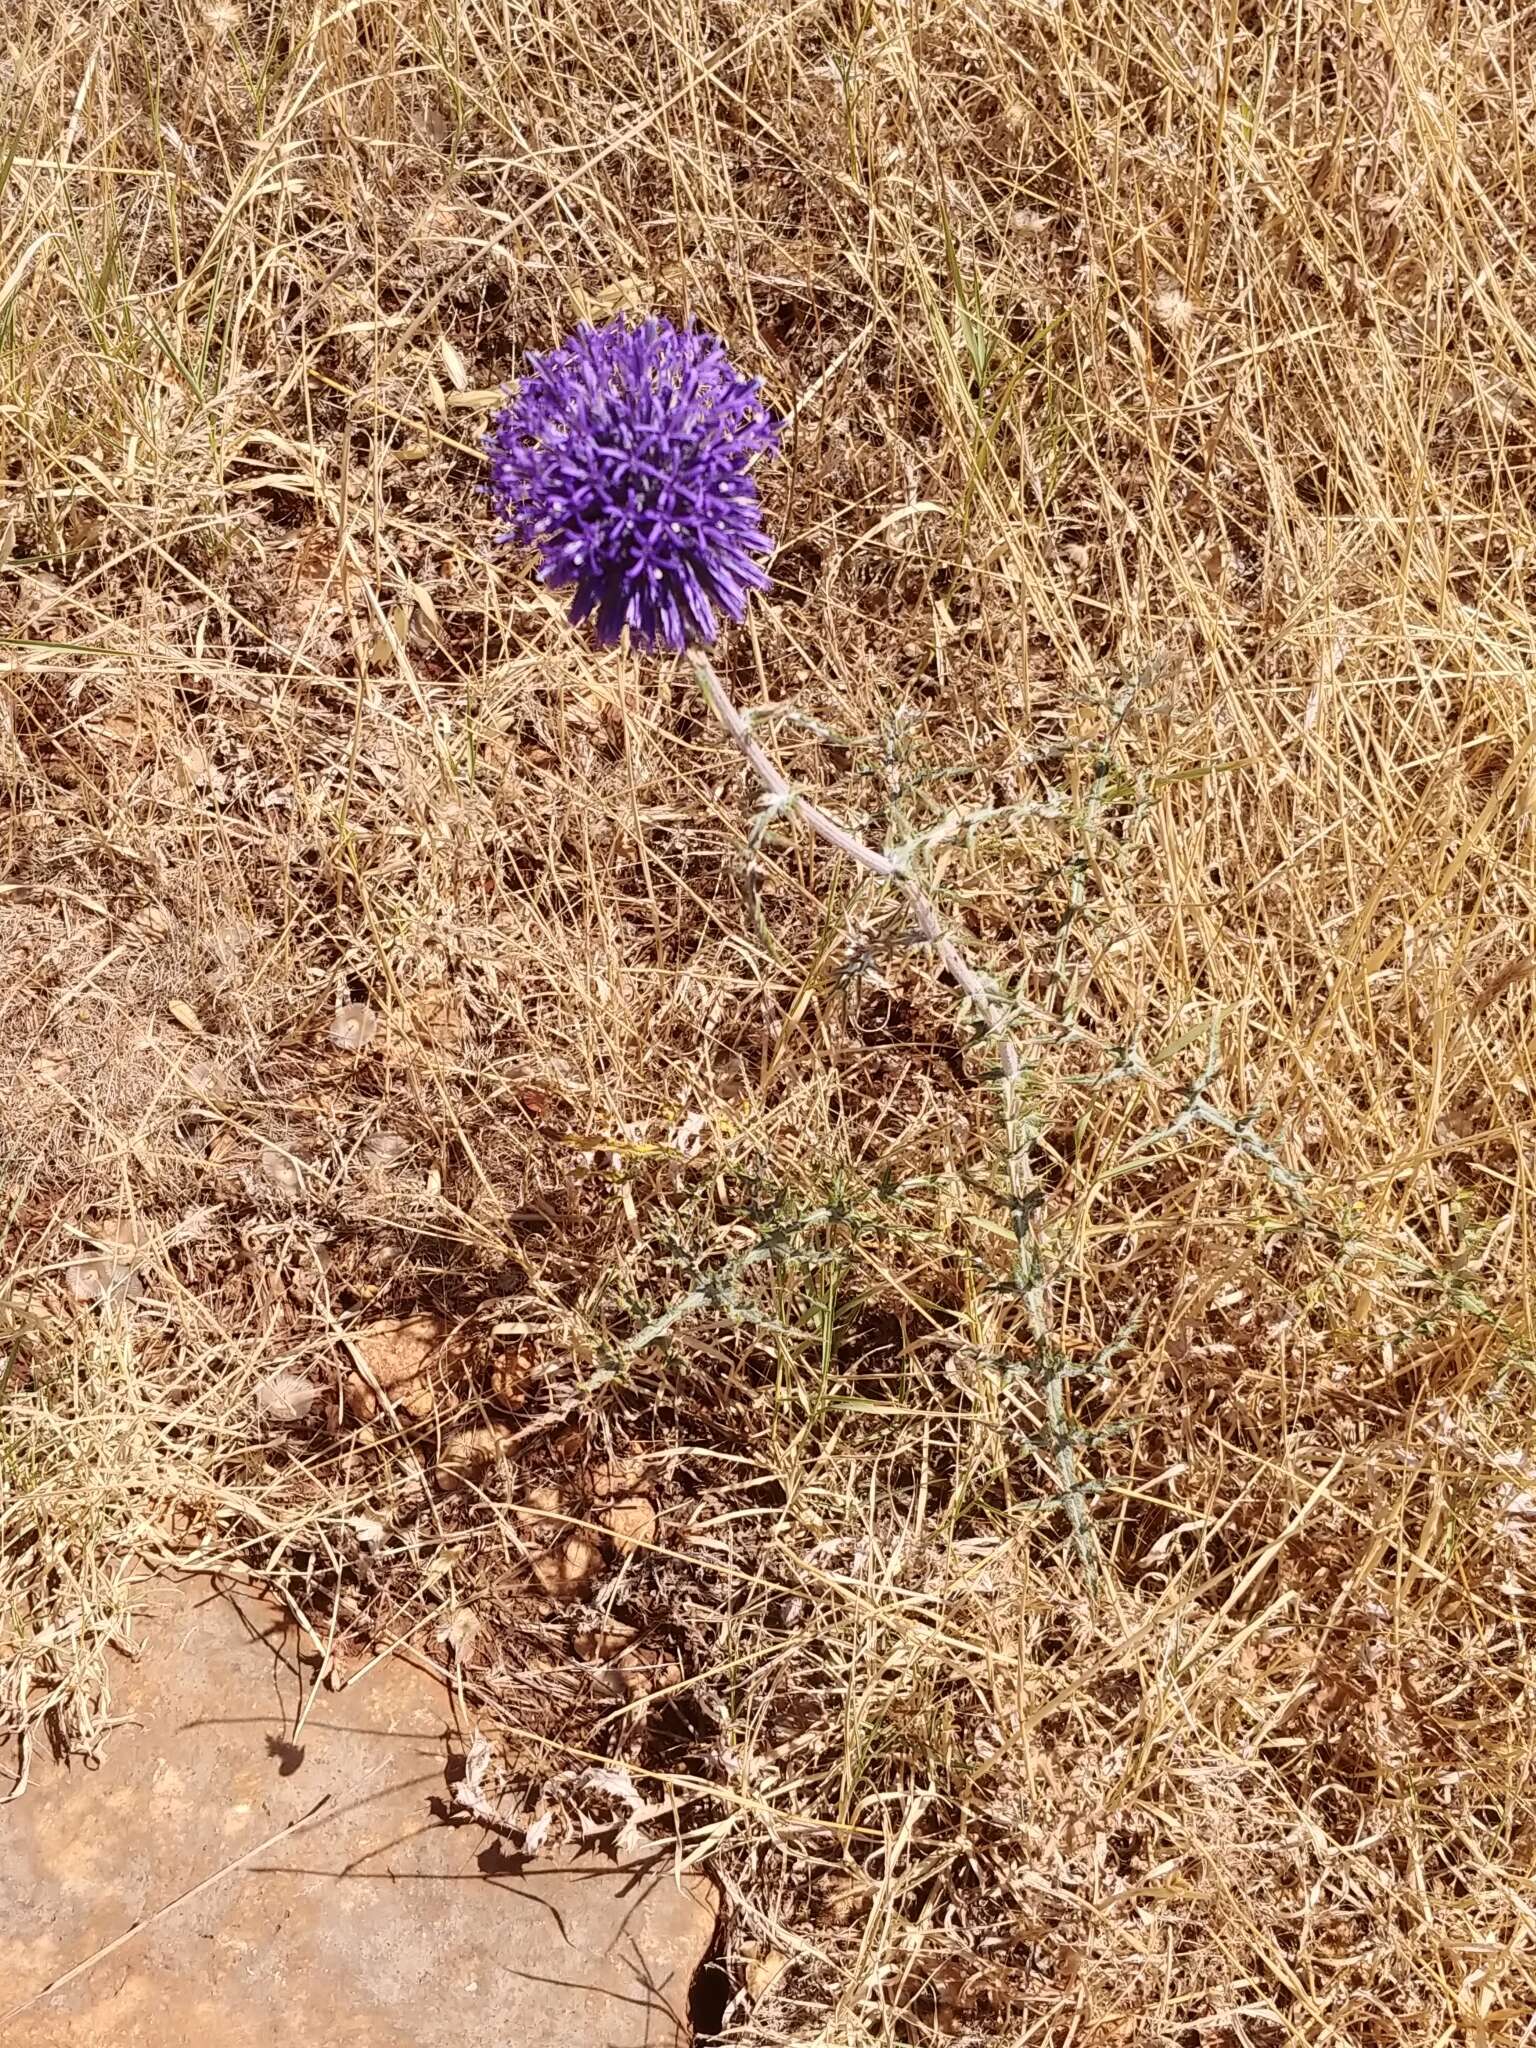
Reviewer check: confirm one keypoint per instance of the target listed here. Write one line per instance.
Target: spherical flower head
(625, 461)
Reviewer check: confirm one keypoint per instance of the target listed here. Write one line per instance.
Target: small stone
(631, 1524)
(617, 1476)
(540, 1504)
(405, 1358)
(470, 1456)
(569, 1569)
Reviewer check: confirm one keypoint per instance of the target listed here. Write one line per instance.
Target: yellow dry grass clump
(467, 1170)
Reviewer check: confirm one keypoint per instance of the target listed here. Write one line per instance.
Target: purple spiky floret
(625, 461)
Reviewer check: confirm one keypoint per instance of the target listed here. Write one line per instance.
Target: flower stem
(992, 1010)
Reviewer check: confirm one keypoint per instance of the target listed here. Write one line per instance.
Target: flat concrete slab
(377, 1923)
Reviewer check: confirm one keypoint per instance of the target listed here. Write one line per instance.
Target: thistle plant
(625, 463)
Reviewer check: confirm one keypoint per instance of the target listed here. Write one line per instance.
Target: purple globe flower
(625, 461)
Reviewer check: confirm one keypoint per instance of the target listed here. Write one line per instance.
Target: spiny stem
(993, 1011)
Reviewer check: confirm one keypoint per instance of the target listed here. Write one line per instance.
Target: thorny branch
(992, 1010)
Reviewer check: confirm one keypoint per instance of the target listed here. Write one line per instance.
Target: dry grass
(1157, 548)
